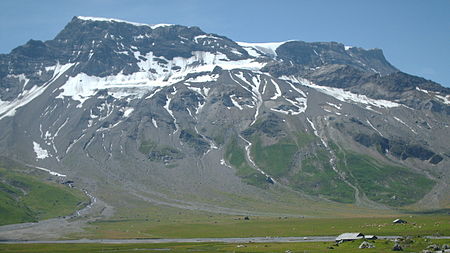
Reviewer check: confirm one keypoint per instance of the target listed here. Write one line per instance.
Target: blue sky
(414, 34)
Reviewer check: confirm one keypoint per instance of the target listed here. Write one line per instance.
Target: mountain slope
(172, 115)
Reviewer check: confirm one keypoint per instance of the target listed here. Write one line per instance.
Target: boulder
(434, 247)
(366, 245)
(397, 247)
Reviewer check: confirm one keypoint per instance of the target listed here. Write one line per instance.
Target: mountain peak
(173, 110)
(100, 19)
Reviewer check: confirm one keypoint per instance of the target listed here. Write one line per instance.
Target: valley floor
(410, 245)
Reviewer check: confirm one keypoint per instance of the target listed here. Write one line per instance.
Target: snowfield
(341, 94)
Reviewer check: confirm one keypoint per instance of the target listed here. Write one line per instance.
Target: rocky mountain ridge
(173, 115)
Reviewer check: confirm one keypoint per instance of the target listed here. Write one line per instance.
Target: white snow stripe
(342, 95)
(370, 124)
(401, 121)
(247, 150)
(277, 93)
(166, 106)
(316, 133)
(235, 103)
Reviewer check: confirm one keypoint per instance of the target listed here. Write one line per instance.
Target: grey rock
(397, 247)
(366, 245)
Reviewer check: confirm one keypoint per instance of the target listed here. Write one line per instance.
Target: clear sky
(414, 34)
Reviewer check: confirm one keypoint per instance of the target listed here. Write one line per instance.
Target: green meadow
(414, 245)
(26, 196)
(226, 226)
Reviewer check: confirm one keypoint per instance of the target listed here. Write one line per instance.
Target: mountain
(171, 115)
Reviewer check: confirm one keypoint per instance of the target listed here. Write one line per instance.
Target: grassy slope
(26, 198)
(316, 176)
(235, 155)
(274, 159)
(323, 181)
(383, 183)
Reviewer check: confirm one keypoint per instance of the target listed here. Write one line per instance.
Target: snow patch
(127, 111)
(206, 36)
(196, 90)
(154, 123)
(40, 152)
(203, 78)
(335, 105)
(121, 21)
(255, 49)
(277, 90)
(82, 86)
(166, 106)
(235, 103)
(445, 100)
(153, 93)
(373, 110)
(154, 72)
(255, 85)
(424, 91)
(342, 95)
(9, 108)
(49, 171)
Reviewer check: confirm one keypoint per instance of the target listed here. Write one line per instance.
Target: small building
(399, 221)
(349, 237)
(370, 237)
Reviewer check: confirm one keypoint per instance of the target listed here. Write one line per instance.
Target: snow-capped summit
(266, 48)
(163, 113)
(120, 21)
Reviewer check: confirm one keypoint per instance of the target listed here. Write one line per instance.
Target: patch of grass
(277, 159)
(11, 210)
(317, 177)
(235, 155)
(25, 198)
(274, 159)
(147, 146)
(304, 139)
(383, 183)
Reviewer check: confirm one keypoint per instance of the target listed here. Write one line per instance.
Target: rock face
(168, 112)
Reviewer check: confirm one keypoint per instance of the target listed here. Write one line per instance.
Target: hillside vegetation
(27, 198)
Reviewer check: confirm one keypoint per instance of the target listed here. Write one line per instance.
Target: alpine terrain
(172, 116)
